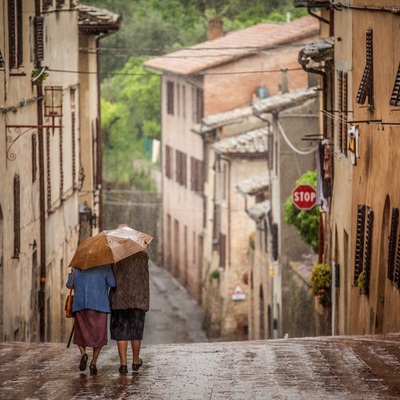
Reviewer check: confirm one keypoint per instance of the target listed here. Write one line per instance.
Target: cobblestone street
(312, 368)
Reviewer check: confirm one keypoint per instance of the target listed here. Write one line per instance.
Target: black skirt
(127, 324)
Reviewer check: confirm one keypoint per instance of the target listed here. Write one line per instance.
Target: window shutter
(17, 216)
(359, 250)
(395, 98)
(368, 247)
(392, 243)
(274, 234)
(366, 85)
(39, 47)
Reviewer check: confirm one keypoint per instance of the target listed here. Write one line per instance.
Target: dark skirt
(127, 324)
(90, 328)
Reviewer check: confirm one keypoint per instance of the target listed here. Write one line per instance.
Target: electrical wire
(174, 74)
(295, 149)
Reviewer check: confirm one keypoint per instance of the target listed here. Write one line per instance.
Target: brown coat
(132, 288)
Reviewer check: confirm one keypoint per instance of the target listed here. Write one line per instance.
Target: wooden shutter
(39, 42)
(392, 243)
(359, 250)
(395, 98)
(366, 85)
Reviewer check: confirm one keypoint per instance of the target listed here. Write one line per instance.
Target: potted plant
(321, 282)
(214, 275)
(39, 75)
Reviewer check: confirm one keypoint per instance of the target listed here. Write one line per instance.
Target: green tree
(305, 221)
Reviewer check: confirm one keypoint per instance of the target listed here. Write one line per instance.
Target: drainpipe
(303, 61)
(42, 203)
(99, 139)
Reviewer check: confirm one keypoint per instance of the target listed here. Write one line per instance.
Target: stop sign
(304, 197)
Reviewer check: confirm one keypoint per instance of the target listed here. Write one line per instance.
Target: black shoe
(93, 369)
(135, 367)
(83, 362)
(123, 369)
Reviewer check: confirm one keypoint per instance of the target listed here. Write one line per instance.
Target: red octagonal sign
(304, 197)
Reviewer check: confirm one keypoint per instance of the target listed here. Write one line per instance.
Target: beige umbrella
(109, 246)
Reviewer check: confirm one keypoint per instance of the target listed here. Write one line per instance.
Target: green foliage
(150, 28)
(321, 281)
(361, 280)
(214, 274)
(305, 221)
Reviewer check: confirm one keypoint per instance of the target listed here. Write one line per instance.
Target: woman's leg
(136, 350)
(122, 351)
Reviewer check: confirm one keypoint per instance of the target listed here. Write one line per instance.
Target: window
(393, 258)
(392, 246)
(39, 42)
(199, 105)
(48, 168)
(34, 157)
(343, 110)
(395, 98)
(196, 175)
(184, 101)
(366, 88)
(178, 100)
(17, 216)
(363, 250)
(180, 173)
(168, 162)
(170, 98)
(15, 34)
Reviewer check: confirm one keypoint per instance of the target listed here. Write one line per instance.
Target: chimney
(215, 28)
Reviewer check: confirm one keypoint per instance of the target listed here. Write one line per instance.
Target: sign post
(304, 197)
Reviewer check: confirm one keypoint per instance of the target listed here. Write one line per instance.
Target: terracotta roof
(93, 20)
(254, 185)
(259, 210)
(247, 144)
(235, 45)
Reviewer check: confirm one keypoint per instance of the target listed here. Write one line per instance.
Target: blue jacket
(91, 288)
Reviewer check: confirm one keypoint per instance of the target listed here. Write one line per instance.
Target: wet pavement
(174, 316)
(363, 367)
(179, 363)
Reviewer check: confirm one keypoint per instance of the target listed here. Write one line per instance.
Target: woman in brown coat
(130, 300)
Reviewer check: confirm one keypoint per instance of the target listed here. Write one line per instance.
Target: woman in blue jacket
(91, 305)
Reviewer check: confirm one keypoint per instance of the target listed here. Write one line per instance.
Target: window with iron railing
(366, 88)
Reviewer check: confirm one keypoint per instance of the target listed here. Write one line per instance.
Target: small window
(168, 162)
(180, 173)
(170, 98)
